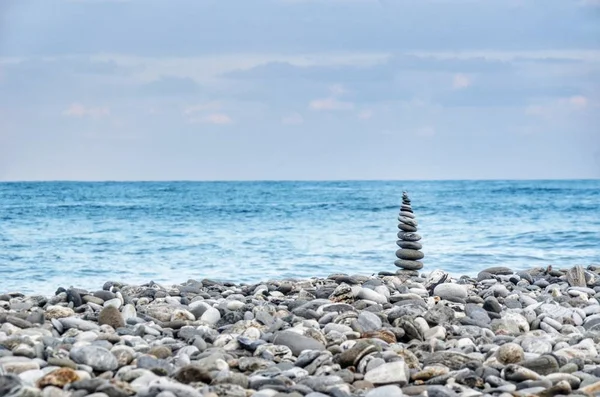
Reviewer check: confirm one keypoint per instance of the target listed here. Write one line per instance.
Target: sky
(299, 89)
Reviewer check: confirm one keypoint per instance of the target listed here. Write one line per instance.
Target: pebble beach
(502, 333)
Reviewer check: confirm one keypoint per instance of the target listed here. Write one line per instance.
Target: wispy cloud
(578, 101)
(559, 107)
(80, 111)
(330, 104)
(207, 113)
(213, 118)
(460, 81)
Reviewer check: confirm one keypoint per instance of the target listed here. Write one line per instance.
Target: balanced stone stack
(408, 239)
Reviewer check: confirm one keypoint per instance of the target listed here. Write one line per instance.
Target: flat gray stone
(408, 221)
(409, 254)
(17, 365)
(450, 291)
(477, 313)
(498, 270)
(408, 265)
(385, 391)
(97, 357)
(369, 321)
(408, 236)
(396, 372)
(536, 345)
(369, 294)
(440, 315)
(543, 365)
(80, 324)
(413, 245)
(296, 342)
(322, 383)
(406, 228)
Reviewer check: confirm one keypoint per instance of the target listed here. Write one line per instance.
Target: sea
(82, 234)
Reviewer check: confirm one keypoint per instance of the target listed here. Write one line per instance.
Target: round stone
(408, 236)
(408, 265)
(406, 228)
(413, 245)
(510, 353)
(409, 254)
(407, 214)
(408, 221)
(110, 315)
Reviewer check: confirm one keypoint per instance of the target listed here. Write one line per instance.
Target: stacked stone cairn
(409, 254)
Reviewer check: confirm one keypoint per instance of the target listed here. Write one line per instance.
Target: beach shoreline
(533, 332)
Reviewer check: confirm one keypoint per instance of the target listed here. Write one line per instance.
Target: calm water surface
(82, 234)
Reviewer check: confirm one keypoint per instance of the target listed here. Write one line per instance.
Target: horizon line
(287, 180)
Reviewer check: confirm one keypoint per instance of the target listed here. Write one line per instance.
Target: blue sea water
(82, 234)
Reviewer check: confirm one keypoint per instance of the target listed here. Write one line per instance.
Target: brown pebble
(383, 334)
(58, 378)
(363, 385)
(192, 373)
(110, 315)
(160, 351)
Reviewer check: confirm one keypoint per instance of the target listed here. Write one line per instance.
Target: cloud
(213, 118)
(379, 67)
(504, 78)
(207, 113)
(559, 107)
(460, 81)
(80, 111)
(578, 101)
(292, 119)
(330, 104)
(365, 114)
